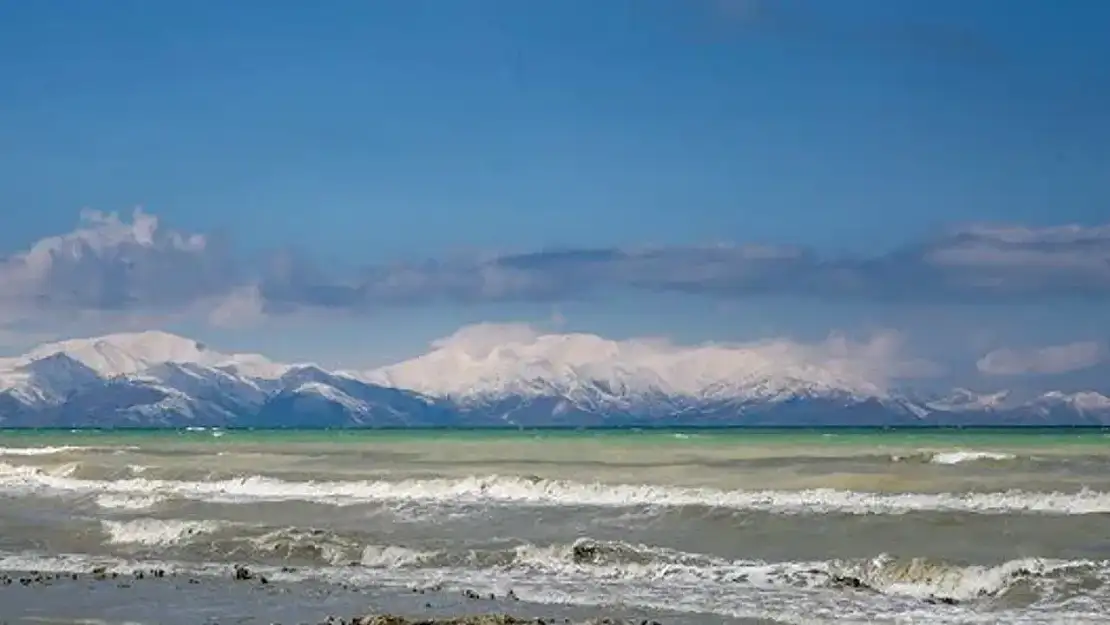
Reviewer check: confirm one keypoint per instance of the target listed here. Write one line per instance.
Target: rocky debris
(484, 619)
(942, 600)
(849, 581)
(390, 619)
(243, 574)
(99, 573)
(475, 595)
(36, 578)
(584, 553)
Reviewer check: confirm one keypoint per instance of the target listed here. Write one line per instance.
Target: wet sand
(165, 598)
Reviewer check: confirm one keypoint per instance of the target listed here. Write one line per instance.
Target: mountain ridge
(158, 379)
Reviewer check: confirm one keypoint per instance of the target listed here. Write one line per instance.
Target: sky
(348, 181)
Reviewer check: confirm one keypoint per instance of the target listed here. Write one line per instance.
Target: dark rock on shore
(243, 574)
(484, 619)
(137, 586)
(585, 553)
(36, 578)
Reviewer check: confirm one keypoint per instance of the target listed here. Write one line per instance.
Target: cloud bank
(114, 264)
(1051, 360)
(110, 264)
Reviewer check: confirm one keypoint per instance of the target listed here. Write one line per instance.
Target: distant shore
(566, 429)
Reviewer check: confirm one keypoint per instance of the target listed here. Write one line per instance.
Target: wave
(129, 502)
(62, 449)
(322, 546)
(917, 578)
(532, 491)
(41, 451)
(954, 457)
(923, 578)
(960, 457)
(600, 572)
(152, 532)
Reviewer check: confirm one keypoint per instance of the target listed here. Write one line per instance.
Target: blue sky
(367, 176)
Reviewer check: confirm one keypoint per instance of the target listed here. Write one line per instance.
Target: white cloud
(110, 264)
(979, 264)
(113, 264)
(1070, 248)
(1052, 359)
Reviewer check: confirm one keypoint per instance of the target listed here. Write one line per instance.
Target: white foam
(155, 532)
(129, 502)
(40, 451)
(293, 542)
(391, 556)
(776, 596)
(960, 457)
(527, 491)
(921, 578)
(59, 449)
(953, 457)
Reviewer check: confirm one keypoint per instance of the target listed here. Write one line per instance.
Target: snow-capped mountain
(160, 379)
(130, 353)
(520, 378)
(589, 369)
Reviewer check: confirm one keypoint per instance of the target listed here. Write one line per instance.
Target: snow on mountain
(1085, 402)
(505, 375)
(963, 399)
(46, 380)
(210, 384)
(135, 377)
(491, 361)
(332, 394)
(312, 397)
(131, 353)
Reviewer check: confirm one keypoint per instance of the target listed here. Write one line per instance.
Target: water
(923, 526)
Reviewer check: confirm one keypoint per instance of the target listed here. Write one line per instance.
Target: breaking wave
(532, 491)
(128, 502)
(62, 449)
(592, 571)
(39, 451)
(955, 457)
(612, 561)
(156, 532)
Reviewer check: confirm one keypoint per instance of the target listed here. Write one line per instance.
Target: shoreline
(647, 428)
(165, 597)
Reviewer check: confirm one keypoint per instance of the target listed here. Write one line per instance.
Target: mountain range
(158, 379)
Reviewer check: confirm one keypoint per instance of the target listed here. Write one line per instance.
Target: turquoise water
(848, 437)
